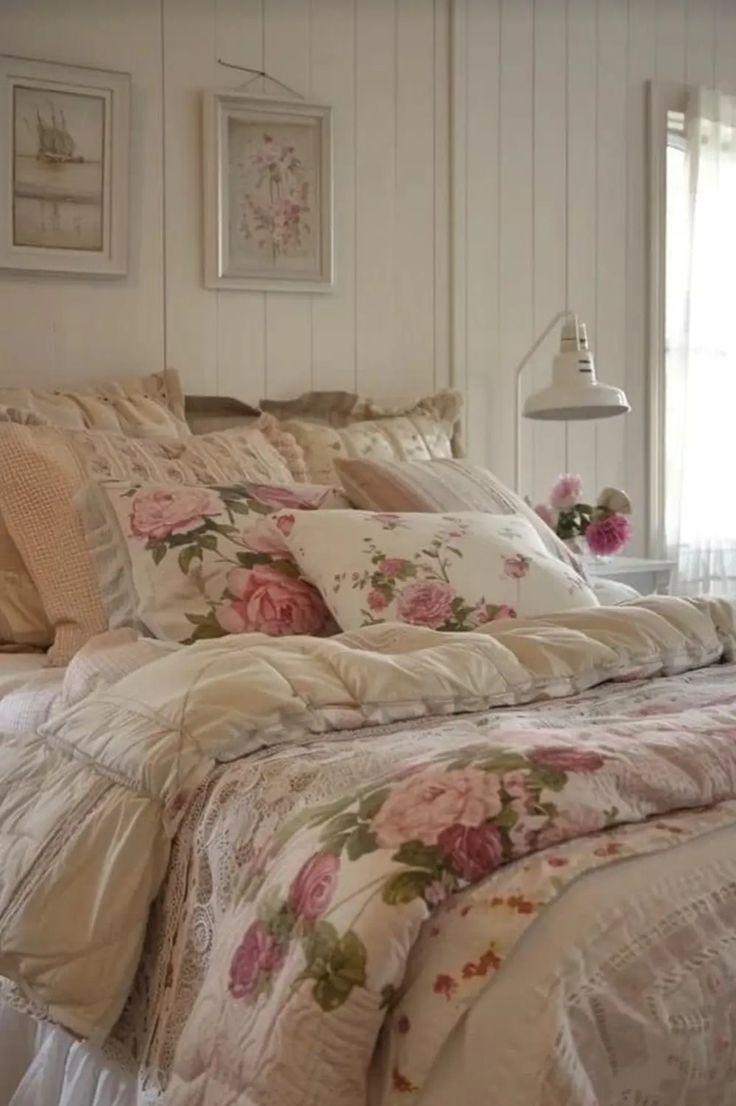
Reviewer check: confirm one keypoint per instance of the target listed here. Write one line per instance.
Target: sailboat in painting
(55, 143)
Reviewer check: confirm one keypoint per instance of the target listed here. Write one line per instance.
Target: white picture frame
(64, 133)
(268, 219)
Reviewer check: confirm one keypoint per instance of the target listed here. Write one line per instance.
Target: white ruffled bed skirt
(41, 1065)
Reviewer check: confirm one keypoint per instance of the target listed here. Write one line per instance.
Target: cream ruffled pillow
(331, 425)
(447, 572)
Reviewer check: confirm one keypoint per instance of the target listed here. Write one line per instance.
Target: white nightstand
(646, 575)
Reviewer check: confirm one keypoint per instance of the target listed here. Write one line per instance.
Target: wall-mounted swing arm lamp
(574, 393)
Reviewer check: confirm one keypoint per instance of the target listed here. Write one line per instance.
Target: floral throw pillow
(189, 562)
(446, 572)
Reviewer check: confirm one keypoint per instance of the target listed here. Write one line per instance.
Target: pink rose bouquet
(604, 525)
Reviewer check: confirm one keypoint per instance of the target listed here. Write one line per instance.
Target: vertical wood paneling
(191, 314)
(700, 54)
(671, 40)
(240, 316)
(515, 215)
(375, 195)
(333, 82)
(67, 329)
(611, 205)
(442, 213)
(642, 47)
(549, 229)
(481, 187)
(725, 46)
(582, 94)
(413, 321)
(287, 55)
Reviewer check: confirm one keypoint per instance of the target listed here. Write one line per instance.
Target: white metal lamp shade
(574, 392)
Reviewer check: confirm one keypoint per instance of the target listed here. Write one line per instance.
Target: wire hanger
(259, 74)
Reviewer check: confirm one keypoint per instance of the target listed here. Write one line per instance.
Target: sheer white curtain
(700, 436)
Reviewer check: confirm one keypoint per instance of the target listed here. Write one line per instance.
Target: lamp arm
(519, 374)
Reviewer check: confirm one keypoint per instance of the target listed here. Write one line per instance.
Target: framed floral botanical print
(267, 194)
(64, 169)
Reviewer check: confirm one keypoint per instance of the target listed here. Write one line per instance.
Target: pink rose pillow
(446, 572)
(184, 563)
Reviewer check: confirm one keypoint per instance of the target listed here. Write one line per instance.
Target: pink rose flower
(314, 885)
(426, 603)
(265, 536)
(503, 611)
(516, 567)
(161, 512)
(608, 535)
(566, 492)
(421, 806)
(516, 783)
(546, 514)
(391, 566)
(258, 956)
(473, 851)
(269, 602)
(285, 523)
(377, 600)
(274, 496)
(563, 758)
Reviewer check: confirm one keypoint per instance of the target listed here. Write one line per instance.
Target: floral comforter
(328, 888)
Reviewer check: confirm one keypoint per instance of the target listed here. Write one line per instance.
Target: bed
(28, 690)
(484, 952)
(485, 855)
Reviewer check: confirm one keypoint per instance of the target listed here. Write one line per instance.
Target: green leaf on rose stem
(418, 855)
(286, 568)
(334, 843)
(406, 886)
(504, 761)
(239, 508)
(371, 803)
(318, 945)
(282, 923)
(224, 529)
(361, 841)
(550, 778)
(206, 627)
(343, 967)
(186, 556)
(209, 541)
(250, 560)
(158, 552)
(506, 819)
(340, 823)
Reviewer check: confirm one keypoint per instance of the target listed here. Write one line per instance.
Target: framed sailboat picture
(267, 194)
(64, 168)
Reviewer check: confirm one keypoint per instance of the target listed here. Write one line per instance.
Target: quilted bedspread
(350, 873)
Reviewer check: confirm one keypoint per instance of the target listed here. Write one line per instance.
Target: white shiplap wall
(550, 160)
(383, 66)
(490, 167)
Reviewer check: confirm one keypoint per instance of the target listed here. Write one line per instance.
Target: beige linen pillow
(441, 485)
(445, 571)
(141, 406)
(42, 468)
(329, 425)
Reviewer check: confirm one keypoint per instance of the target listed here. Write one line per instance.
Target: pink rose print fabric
(208, 561)
(442, 572)
(396, 901)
